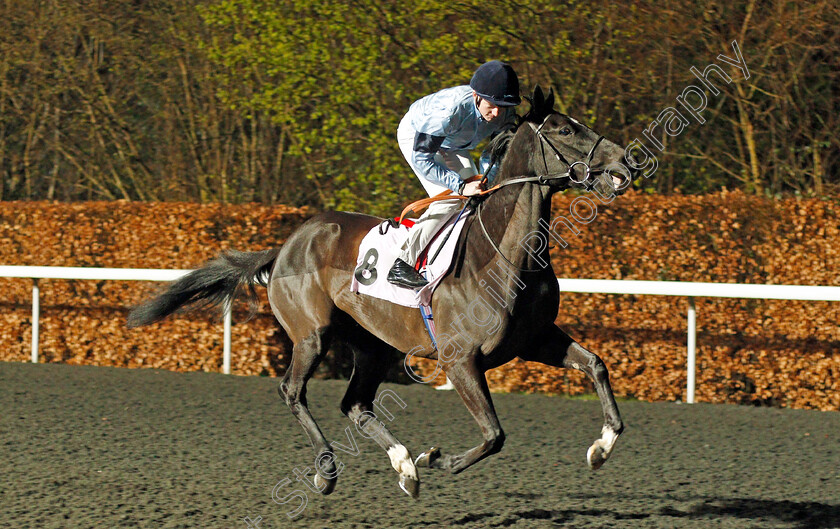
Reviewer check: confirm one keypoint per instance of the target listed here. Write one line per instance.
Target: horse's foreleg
(559, 350)
(372, 361)
(577, 357)
(471, 385)
(306, 356)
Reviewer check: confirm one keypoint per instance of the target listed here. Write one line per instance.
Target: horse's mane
(541, 106)
(498, 146)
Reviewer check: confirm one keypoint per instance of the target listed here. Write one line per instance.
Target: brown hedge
(782, 353)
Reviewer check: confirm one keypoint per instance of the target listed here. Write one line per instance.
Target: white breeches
(431, 220)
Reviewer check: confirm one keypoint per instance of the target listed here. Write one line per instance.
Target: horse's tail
(216, 283)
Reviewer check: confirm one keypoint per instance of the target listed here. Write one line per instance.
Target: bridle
(561, 158)
(544, 179)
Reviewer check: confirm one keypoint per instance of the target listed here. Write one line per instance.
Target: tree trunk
(818, 169)
(746, 127)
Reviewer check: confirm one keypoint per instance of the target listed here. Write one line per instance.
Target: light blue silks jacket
(449, 120)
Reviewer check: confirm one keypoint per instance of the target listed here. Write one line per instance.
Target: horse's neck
(523, 210)
(511, 217)
(522, 227)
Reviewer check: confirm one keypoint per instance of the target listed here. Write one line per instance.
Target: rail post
(226, 349)
(36, 316)
(692, 351)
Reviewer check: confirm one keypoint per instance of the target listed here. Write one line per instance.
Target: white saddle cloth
(377, 254)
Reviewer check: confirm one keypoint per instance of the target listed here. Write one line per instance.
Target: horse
(308, 280)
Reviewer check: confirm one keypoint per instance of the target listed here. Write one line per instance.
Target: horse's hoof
(325, 486)
(428, 457)
(410, 486)
(595, 456)
(601, 449)
(409, 478)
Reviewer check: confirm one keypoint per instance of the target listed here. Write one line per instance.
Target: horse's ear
(549, 100)
(538, 99)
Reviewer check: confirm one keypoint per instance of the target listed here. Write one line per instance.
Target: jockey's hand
(472, 188)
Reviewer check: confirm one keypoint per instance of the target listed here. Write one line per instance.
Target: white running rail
(101, 274)
(586, 286)
(698, 290)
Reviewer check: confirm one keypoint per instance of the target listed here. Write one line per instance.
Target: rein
(423, 203)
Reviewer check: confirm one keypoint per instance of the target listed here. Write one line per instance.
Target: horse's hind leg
(559, 350)
(372, 358)
(307, 354)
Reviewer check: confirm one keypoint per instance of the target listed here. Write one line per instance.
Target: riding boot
(404, 275)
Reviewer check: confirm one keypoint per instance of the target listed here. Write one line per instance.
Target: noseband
(545, 179)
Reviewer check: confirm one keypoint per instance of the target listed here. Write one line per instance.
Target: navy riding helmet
(496, 82)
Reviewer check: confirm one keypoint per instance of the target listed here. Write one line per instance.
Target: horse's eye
(565, 131)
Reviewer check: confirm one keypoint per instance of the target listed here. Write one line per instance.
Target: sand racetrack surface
(104, 447)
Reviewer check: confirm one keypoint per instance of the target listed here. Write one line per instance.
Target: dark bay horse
(308, 281)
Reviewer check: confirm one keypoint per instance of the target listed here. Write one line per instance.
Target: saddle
(381, 247)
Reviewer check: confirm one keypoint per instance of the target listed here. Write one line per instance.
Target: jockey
(436, 137)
